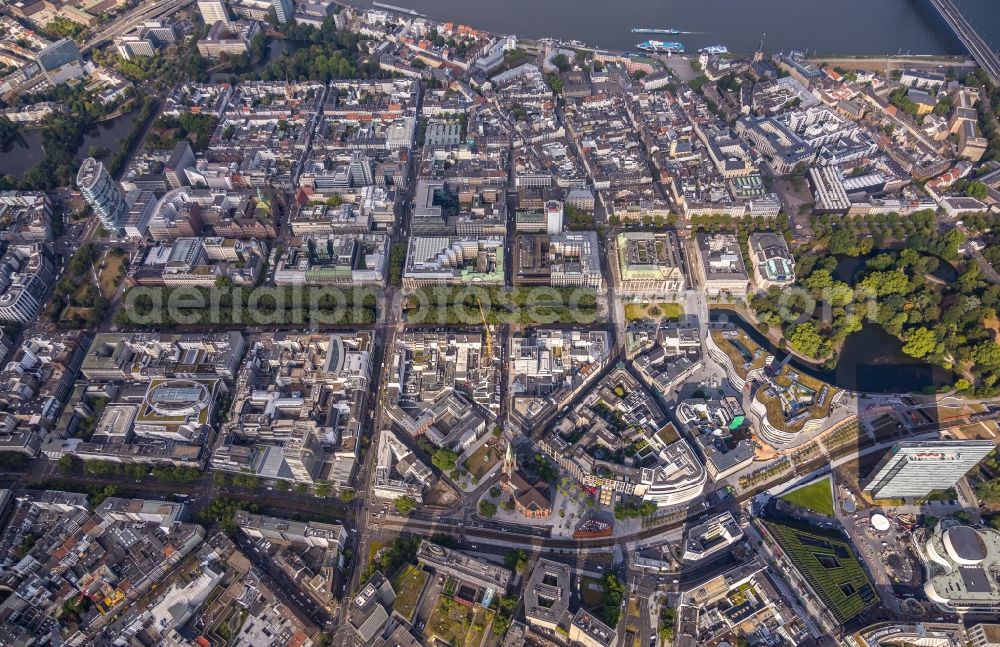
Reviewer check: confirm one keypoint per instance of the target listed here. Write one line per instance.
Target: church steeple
(509, 460)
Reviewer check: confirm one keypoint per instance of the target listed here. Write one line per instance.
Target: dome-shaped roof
(964, 545)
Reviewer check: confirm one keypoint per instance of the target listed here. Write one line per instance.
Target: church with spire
(531, 497)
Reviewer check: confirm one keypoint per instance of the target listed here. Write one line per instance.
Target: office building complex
(718, 430)
(469, 570)
(370, 609)
(588, 631)
(146, 40)
(26, 216)
(560, 260)
(58, 54)
(547, 594)
(665, 470)
(284, 531)
(427, 365)
(25, 276)
(649, 263)
(553, 217)
(61, 61)
(142, 357)
(721, 264)
(915, 468)
(297, 408)
(332, 259)
(828, 190)
(398, 472)
(710, 537)
(231, 39)
(101, 193)
(458, 261)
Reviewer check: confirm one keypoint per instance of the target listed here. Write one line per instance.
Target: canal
(871, 360)
(849, 266)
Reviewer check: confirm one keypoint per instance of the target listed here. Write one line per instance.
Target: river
(824, 26)
(26, 151)
(871, 361)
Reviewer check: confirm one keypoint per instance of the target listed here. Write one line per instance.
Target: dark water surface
(871, 360)
(826, 26)
(26, 150)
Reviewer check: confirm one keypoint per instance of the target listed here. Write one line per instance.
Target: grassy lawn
(373, 549)
(409, 585)
(230, 625)
(108, 275)
(482, 461)
(827, 562)
(592, 592)
(458, 625)
(983, 430)
(480, 627)
(993, 324)
(662, 310)
(775, 413)
(817, 496)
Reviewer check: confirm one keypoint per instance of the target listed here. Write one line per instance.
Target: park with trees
(902, 274)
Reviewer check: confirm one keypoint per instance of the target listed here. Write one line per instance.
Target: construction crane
(486, 331)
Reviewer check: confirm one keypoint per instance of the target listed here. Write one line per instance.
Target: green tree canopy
(805, 338)
(883, 283)
(487, 509)
(977, 190)
(920, 342)
(516, 560)
(986, 354)
(444, 459)
(405, 505)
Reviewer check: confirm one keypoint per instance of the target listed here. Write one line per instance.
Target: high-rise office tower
(102, 194)
(915, 468)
